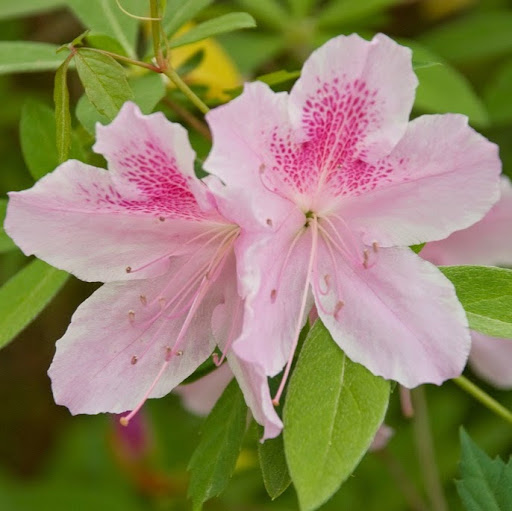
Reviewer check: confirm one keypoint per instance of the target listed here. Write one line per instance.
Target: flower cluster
(312, 200)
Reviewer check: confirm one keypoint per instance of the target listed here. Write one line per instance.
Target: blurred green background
(52, 461)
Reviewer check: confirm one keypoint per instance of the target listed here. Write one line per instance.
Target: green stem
(156, 30)
(176, 79)
(425, 449)
(484, 398)
(128, 60)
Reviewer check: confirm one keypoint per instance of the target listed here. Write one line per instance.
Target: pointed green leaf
(482, 35)
(104, 81)
(332, 412)
(62, 115)
(37, 137)
(25, 295)
(338, 12)
(486, 295)
(105, 42)
(15, 9)
(148, 90)
(214, 460)
(486, 483)
(106, 17)
(22, 56)
(273, 466)
(301, 8)
(179, 12)
(497, 95)
(269, 12)
(222, 24)
(6, 243)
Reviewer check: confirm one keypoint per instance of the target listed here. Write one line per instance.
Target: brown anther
(124, 421)
(275, 402)
(273, 295)
(134, 360)
(339, 305)
(365, 258)
(375, 246)
(161, 301)
(128, 269)
(131, 316)
(168, 353)
(179, 353)
(327, 280)
(161, 218)
(262, 168)
(269, 222)
(143, 299)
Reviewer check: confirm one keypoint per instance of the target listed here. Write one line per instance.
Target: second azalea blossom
(330, 185)
(488, 242)
(152, 231)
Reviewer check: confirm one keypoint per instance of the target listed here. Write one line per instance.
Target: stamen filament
(312, 256)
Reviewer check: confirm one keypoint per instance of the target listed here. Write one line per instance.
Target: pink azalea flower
(488, 242)
(152, 231)
(330, 185)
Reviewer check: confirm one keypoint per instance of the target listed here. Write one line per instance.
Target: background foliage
(51, 461)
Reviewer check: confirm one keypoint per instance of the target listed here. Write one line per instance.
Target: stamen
(134, 360)
(375, 246)
(143, 299)
(339, 305)
(365, 258)
(269, 222)
(312, 257)
(131, 316)
(128, 269)
(273, 293)
(124, 421)
(161, 218)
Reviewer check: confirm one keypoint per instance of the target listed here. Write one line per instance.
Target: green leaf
(148, 90)
(15, 9)
(443, 89)
(486, 484)
(301, 8)
(191, 63)
(332, 412)
(37, 137)
(104, 16)
(482, 35)
(25, 295)
(62, 116)
(485, 293)
(22, 56)
(214, 460)
(273, 466)
(339, 12)
(6, 244)
(273, 79)
(222, 24)
(269, 12)
(104, 81)
(251, 49)
(179, 12)
(105, 42)
(417, 248)
(497, 96)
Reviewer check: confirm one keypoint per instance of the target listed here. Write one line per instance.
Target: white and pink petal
(441, 177)
(399, 317)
